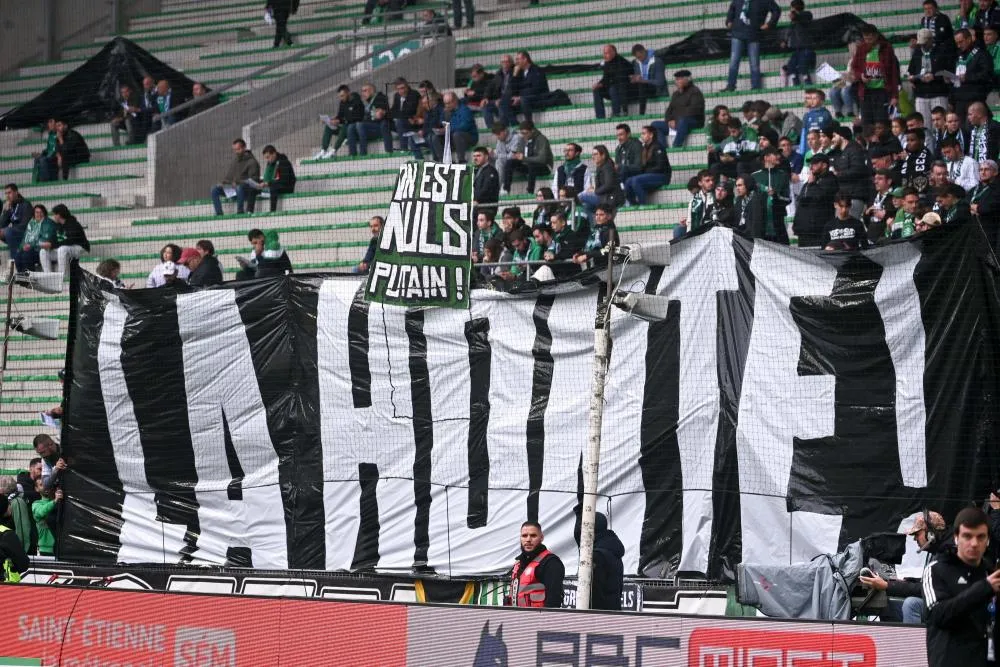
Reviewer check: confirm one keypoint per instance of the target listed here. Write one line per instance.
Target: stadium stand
(324, 224)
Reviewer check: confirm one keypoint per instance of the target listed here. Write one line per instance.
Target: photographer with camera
(906, 604)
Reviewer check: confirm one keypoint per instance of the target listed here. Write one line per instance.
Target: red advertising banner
(92, 628)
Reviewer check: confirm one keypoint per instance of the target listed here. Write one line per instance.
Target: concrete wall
(296, 130)
(187, 159)
(36, 30)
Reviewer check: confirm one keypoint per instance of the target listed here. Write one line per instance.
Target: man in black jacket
(984, 202)
(915, 169)
(528, 92)
(351, 110)
(373, 121)
(17, 211)
(984, 134)
(613, 84)
(929, 58)
(71, 149)
(974, 70)
(850, 164)
(13, 561)
(278, 178)
(208, 271)
(405, 104)
(609, 571)
(814, 206)
(952, 206)
(280, 11)
(71, 242)
(957, 589)
(129, 117)
(486, 182)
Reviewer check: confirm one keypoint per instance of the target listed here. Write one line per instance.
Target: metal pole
(6, 332)
(592, 458)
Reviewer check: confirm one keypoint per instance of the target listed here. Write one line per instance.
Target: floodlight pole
(592, 457)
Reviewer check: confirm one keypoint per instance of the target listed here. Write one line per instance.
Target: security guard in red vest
(537, 577)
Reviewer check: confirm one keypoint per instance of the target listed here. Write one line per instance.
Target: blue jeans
(218, 192)
(909, 610)
(615, 94)
(800, 64)
(590, 200)
(402, 126)
(637, 187)
(358, 135)
(684, 126)
(26, 260)
(736, 55)
(13, 240)
(509, 115)
(843, 100)
(48, 169)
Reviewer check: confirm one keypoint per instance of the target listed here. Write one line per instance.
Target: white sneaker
(503, 192)
(319, 155)
(329, 153)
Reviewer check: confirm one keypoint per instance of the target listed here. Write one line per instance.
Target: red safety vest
(525, 588)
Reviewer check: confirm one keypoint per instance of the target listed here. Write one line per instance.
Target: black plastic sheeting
(89, 94)
(956, 278)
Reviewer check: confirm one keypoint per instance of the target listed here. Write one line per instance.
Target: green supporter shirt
(269, 169)
(50, 145)
(994, 51)
(873, 69)
(40, 509)
(36, 232)
(533, 254)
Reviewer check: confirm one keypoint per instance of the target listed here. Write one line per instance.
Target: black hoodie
(609, 572)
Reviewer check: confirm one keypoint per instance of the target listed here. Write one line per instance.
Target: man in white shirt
(962, 169)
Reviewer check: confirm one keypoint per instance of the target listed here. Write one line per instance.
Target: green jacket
(36, 232)
(41, 509)
(533, 254)
(779, 181)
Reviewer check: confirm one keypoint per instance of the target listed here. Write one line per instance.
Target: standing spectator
(39, 228)
(775, 189)
(649, 77)
(351, 110)
(953, 130)
(844, 231)
(278, 178)
(628, 153)
(938, 128)
(486, 182)
(958, 587)
(281, 10)
(974, 70)
(375, 226)
(967, 12)
(534, 161)
(817, 116)
(543, 211)
(571, 171)
(208, 272)
(939, 25)
(746, 19)
(53, 463)
(500, 87)
(990, 36)
(797, 38)
(17, 211)
(723, 210)
(876, 70)
(952, 207)
(537, 575)
(962, 169)
(929, 58)
(130, 118)
(470, 13)
(608, 577)
(988, 14)
(486, 230)
(13, 560)
(41, 511)
(655, 171)
(603, 233)
(737, 153)
(405, 104)
(375, 117)
(71, 149)
(166, 101)
(528, 92)
(984, 134)
(616, 73)
(785, 123)
(243, 167)
(170, 256)
(462, 127)
(984, 202)
(685, 111)
(849, 163)
(508, 145)
(880, 212)
(748, 212)
(814, 206)
(45, 160)
(702, 199)
(607, 188)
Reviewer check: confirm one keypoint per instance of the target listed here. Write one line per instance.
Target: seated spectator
(534, 161)
(952, 206)
(817, 117)
(433, 24)
(375, 225)
(543, 212)
(190, 258)
(572, 170)
(499, 87)
(702, 187)
(722, 210)
(278, 179)
(170, 255)
(844, 232)
(430, 118)
(508, 145)
(462, 127)
(486, 230)
(984, 202)
(69, 244)
(45, 517)
(476, 92)
(961, 168)
(524, 251)
(492, 252)
(685, 111)
(602, 234)
(26, 480)
(147, 103)
(649, 78)
(929, 221)
(14, 561)
(786, 124)
(655, 171)
(207, 271)
(405, 105)
(486, 181)
(616, 73)
(166, 100)
(737, 154)
(797, 38)
(351, 110)
(268, 258)
(243, 168)
(984, 134)
(71, 149)
(575, 213)
(377, 11)
(45, 160)
(607, 188)
(375, 117)
(791, 157)
(201, 100)
(110, 269)
(17, 211)
(130, 118)
(40, 228)
(628, 153)
(510, 220)
(975, 67)
(527, 93)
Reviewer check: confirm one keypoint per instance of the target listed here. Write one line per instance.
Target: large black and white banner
(788, 404)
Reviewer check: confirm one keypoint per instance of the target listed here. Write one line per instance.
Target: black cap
(682, 73)
(844, 131)
(953, 189)
(881, 151)
(820, 157)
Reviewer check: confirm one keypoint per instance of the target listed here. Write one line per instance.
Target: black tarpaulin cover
(89, 94)
(786, 403)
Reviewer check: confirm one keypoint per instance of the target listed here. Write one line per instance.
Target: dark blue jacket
(531, 83)
(462, 120)
(759, 12)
